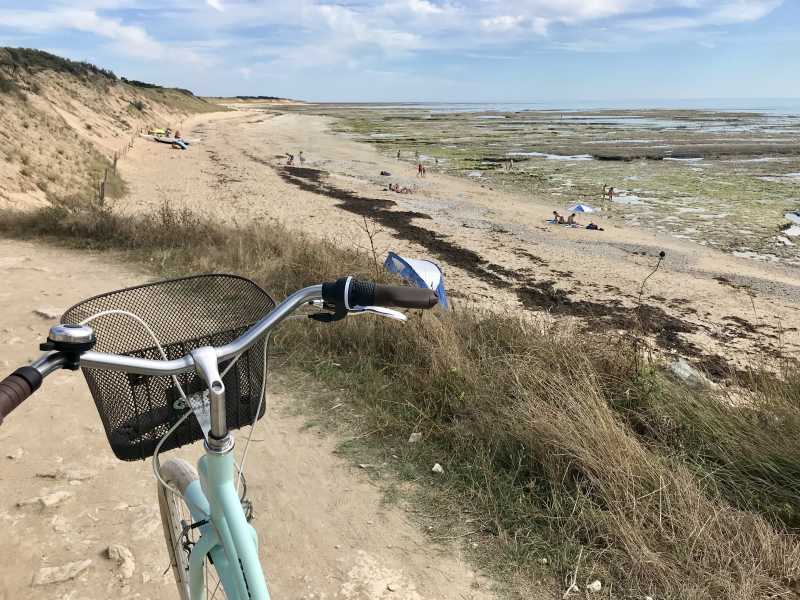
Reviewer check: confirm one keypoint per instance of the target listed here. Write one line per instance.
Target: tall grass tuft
(555, 443)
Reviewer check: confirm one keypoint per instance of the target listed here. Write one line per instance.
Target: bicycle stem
(205, 362)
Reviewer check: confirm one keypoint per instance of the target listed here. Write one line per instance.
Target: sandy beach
(494, 245)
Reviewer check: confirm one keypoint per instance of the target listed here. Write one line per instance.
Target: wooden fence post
(103, 188)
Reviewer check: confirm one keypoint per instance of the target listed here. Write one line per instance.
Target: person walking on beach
(398, 154)
(611, 194)
(419, 169)
(301, 158)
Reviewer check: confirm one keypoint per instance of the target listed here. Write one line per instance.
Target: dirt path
(325, 532)
(493, 245)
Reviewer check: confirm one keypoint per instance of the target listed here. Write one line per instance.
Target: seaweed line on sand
(664, 328)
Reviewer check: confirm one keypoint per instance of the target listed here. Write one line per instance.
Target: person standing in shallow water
(420, 170)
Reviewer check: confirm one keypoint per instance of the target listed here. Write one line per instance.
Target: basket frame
(131, 440)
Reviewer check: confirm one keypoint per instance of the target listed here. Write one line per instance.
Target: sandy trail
(325, 532)
(494, 245)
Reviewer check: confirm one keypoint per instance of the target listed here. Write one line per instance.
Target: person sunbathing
(571, 220)
(557, 218)
(594, 227)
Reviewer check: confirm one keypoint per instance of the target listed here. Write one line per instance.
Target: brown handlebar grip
(404, 296)
(14, 390)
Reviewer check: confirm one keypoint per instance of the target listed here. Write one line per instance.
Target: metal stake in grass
(661, 256)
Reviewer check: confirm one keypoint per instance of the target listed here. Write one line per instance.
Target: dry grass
(554, 443)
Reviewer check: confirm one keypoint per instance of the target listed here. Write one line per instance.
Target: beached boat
(171, 140)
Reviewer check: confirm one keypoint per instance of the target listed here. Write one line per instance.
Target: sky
(429, 50)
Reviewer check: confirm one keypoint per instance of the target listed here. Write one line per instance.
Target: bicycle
(206, 359)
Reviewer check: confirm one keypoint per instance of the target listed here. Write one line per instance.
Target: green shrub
(38, 60)
(8, 86)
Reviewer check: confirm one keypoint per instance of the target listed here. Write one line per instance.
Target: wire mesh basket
(184, 314)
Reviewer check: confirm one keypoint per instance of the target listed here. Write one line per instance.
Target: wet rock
(48, 500)
(124, 559)
(49, 575)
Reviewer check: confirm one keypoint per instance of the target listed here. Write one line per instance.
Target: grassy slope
(554, 443)
(61, 122)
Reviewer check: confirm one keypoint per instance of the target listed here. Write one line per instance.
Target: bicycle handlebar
(16, 388)
(344, 294)
(145, 366)
(347, 293)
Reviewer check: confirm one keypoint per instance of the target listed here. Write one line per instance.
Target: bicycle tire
(174, 511)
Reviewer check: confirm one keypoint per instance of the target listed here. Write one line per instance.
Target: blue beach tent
(421, 273)
(582, 208)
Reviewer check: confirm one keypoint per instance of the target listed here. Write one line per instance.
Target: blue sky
(432, 50)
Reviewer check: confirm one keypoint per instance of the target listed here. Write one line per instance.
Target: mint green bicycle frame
(226, 537)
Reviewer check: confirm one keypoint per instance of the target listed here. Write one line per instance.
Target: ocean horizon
(770, 106)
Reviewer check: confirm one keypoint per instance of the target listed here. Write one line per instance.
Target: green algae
(699, 175)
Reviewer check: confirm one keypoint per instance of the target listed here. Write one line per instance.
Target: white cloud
(308, 33)
(423, 7)
(710, 14)
(501, 24)
(130, 40)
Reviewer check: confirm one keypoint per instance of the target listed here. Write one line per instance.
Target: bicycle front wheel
(176, 518)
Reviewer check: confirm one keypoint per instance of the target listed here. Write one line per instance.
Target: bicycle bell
(70, 339)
